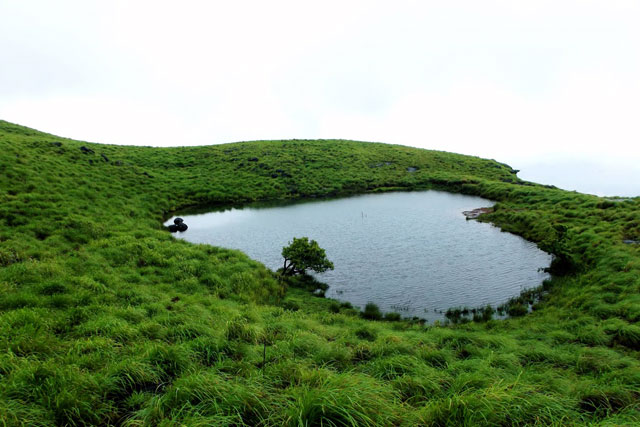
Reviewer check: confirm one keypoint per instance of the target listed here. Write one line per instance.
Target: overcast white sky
(550, 87)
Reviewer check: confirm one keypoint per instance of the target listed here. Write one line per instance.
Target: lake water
(410, 252)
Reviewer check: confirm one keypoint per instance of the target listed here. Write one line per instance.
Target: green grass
(106, 319)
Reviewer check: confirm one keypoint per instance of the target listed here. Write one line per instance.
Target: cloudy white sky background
(550, 87)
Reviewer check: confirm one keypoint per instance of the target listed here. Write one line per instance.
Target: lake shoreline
(444, 264)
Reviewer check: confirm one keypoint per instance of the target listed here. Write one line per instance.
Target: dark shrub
(291, 305)
(392, 317)
(605, 204)
(53, 288)
(517, 310)
(372, 312)
(334, 307)
(366, 334)
(484, 314)
(453, 314)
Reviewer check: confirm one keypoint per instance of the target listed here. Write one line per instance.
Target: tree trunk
(285, 267)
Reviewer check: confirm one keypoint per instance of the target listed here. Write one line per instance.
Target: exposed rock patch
(474, 214)
(178, 225)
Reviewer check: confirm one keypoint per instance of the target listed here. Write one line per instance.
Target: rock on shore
(474, 214)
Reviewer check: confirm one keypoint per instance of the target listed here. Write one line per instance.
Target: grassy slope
(106, 319)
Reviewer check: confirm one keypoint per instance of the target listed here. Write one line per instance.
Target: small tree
(302, 255)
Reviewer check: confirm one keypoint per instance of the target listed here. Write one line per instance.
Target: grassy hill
(106, 319)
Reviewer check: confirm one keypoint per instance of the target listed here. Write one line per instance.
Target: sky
(550, 87)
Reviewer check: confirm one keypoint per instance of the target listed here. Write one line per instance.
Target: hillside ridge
(106, 319)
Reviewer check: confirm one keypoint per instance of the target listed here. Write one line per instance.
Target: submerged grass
(106, 319)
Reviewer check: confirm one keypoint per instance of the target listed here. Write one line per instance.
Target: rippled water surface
(414, 252)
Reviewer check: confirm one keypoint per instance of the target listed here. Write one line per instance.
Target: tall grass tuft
(341, 400)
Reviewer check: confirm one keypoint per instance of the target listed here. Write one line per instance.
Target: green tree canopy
(302, 255)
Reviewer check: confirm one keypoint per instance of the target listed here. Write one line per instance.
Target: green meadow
(107, 319)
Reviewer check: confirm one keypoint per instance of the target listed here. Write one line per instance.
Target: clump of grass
(208, 351)
(517, 310)
(497, 405)
(483, 314)
(350, 400)
(420, 389)
(366, 334)
(334, 307)
(210, 395)
(624, 334)
(239, 329)
(603, 402)
(439, 359)
(392, 316)
(394, 366)
(453, 314)
(290, 305)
